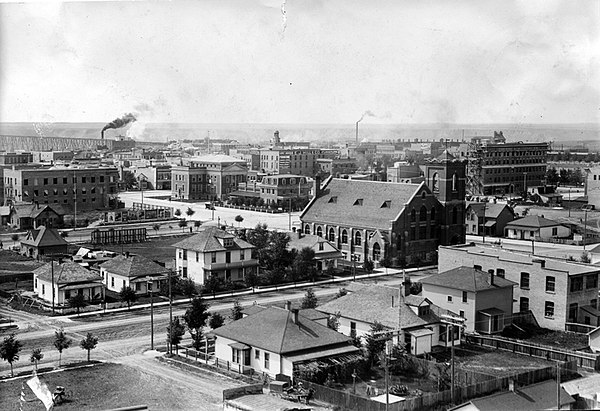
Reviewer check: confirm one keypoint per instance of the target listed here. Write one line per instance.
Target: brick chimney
(295, 315)
(288, 305)
(491, 276)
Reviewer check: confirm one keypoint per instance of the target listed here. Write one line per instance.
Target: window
(423, 214)
(413, 216)
(64, 180)
(576, 284)
(433, 214)
(320, 231)
(376, 252)
(197, 256)
(36, 283)
(184, 272)
(228, 257)
(357, 238)
(257, 354)
(242, 256)
(550, 284)
(573, 312)
(321, 246)
(594, 303)
(352, 329)
(464, 296)
(185, 254)
(307, 229)
(25, 181)
(331, 236)
(549, 309)
(344, 237)
(358, 202)
(449, 298)
(454, 180)
(554, 230)
(524, 304)
(477, 267)
(525, 281)
(236, 356)
(213, 257)
(43, 289)
(461, 313)
(267, 360)
(591, 281)
(112, 281)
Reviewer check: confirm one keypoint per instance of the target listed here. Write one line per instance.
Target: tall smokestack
(357, 131)
(102, 135)
(368, 113)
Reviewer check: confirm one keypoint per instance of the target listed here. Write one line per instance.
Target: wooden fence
(585, 360)
(428, 401)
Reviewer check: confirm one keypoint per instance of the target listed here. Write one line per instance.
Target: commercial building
(592, 186)
(302, 161)
(556, 292)
(276, 188)
(210, 177)
(52, 156)
(500, 168)
(338, 167)
(86, 188)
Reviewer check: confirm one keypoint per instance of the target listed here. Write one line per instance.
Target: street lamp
(149, 286)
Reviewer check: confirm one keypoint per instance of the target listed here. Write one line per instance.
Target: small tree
(61, 342)
(585, 257)
(177, 213)
(77, 301)
(36, 356)
(9, 350)
(239, 219)
(333, 321)
(89, 343)
(216, 321)
(175, 332)
(182, 224)
(64, 234)
(128, 295)
(15, 237)
(188, 288)
(237, 311)
(375, 342)
(341, 292)
(156, 227)
(310, 299)
(386, 262)
(195, 318)
(368, 265)
(189, 212)
(197, 224)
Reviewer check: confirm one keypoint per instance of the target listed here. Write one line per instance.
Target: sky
(309, 61)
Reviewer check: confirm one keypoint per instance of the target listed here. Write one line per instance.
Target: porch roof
(239, 346)
(491, 311)
(420, 332)
(331, 352)
(84, 285)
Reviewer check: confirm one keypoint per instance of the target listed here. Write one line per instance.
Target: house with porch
(277, 341)
(488, 218)
(43, 241)
(214, 252)
(483, 299)
(416, 320)
(326, 252)
(67, 279)
(140, 273)
(26, 216)
(536, 228)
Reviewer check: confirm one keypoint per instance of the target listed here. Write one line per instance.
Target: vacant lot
(496, 363)
(109, 386)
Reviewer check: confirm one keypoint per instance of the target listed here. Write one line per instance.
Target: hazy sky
(320, 62)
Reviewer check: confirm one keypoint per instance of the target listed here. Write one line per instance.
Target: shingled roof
(44, 237)
(133, 266)
(207, 240)
(380, 303)
(491, 210)
(66, 273)
(372, 204)
(467, 279)
(33, 210)
(273, 329)
(532, 221)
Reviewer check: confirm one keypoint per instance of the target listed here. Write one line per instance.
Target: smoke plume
(367, 113)
(120, 122)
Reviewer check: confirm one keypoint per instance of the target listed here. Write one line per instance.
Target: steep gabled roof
(491, 210)
(361, 203)
(44, 237)
(207, 240)
(533, 221)
(133, 266)
(380, 303)
(33, 210)
(467, 279)
(66, 273)
(273, 329)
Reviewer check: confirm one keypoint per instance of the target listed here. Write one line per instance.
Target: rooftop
(66, 273)
(533, 221)
(207, 240)
(467, 279)
(44, 237)
(491, 210)
(133, 266)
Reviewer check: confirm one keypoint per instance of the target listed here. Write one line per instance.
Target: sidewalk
(382, 273)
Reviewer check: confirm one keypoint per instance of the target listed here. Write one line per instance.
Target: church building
(399, 222)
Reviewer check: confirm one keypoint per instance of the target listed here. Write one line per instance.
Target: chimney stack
(357, 131)
(295, 315)
(288, 305)
(126, 254)
(491, 276)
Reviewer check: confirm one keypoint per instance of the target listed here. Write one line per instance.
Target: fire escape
(474, 169)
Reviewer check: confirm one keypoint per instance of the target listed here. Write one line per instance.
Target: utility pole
(170, 347)
(452, 321)
(149, 285)
(484, 207)
(557, 385)
(290, 213)
(52, 275)
(74, 201)
(585, 230)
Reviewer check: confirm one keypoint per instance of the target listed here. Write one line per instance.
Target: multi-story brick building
(403, 223)
(153, 177)
(338, 167)
(277, 188)
(52, 156)
(210, 177)
(87, 187)
(10, 159)
(214, 252)
(302, 161)
(592, 186)
(500, 168)
(556, 291)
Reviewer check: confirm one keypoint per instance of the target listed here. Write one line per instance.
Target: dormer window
(228, 242)
(424, 310)
(333, 199)
(386, 204)
(358, 202)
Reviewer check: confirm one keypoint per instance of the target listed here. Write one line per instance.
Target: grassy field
(497, 363)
